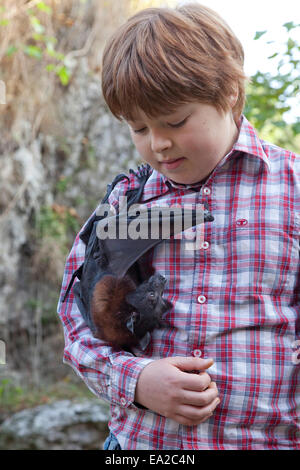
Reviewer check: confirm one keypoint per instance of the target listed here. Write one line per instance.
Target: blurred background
(59, 148)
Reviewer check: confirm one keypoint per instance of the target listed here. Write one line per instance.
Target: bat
(125, 314)
(114, 284)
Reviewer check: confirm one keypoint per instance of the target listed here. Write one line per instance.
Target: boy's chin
(182, 176)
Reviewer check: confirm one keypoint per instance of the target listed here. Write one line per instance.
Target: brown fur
(110, 311)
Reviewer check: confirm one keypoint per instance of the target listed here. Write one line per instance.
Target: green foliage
(39, 45)
(259, 34)
(9, 393)
(56, 222)
(49, 224)
(270, 96)
(47, 308)
(43, 7)
(62, 184)
(14, 398)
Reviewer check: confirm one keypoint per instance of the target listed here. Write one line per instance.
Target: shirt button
(205, 245)
(197, 353)
(123, 401)
(201, 299)
(206, 191)
(242, 222)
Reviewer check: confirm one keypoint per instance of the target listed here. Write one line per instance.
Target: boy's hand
(167, 387)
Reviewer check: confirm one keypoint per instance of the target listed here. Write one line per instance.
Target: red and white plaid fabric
(236, 299)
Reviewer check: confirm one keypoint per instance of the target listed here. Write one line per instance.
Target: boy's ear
(234, 97)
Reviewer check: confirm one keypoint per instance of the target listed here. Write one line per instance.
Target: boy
(176, 76)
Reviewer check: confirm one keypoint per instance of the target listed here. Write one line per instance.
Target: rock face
(55, 164)
(62, 425)
(63, 170)
(59, 172)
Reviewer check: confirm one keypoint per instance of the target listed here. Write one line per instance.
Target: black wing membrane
(115, 244)
(125, 238)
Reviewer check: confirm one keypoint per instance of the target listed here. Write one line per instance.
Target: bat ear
(131, 299)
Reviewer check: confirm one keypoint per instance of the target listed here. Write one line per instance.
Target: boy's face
(186, 145)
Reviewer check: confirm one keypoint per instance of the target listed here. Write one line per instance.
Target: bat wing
(117, 243)
(127, 236)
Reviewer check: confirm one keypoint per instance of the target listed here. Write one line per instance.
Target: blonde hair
(161, 58)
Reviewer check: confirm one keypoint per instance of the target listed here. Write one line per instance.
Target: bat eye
(151, 295)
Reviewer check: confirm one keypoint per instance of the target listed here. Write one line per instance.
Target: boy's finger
(196, 382)
(189, 364)
(192, 416)
(204, 398)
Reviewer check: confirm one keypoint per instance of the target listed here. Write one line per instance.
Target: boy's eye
(139, 131)
(179, 124)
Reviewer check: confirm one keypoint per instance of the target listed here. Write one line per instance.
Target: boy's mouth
(172, 164)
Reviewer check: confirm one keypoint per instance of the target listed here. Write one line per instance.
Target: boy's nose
(160, 143)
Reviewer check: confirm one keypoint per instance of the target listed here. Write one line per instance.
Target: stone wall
(61, 174)
(63, 425)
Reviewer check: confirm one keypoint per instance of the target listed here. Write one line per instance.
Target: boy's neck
(186, 185)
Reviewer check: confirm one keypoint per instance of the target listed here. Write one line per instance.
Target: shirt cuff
(123, 379)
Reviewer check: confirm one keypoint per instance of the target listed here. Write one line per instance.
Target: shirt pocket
(259, 258)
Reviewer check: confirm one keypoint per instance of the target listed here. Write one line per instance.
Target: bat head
(149, 306)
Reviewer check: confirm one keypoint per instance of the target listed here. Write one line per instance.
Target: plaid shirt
(235, 299)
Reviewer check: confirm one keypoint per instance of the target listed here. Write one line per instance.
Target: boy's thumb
(192, 363)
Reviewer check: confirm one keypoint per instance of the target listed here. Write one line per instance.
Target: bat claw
(132, 320)
(145, 341)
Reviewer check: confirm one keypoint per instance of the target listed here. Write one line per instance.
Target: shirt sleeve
(108, 374)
